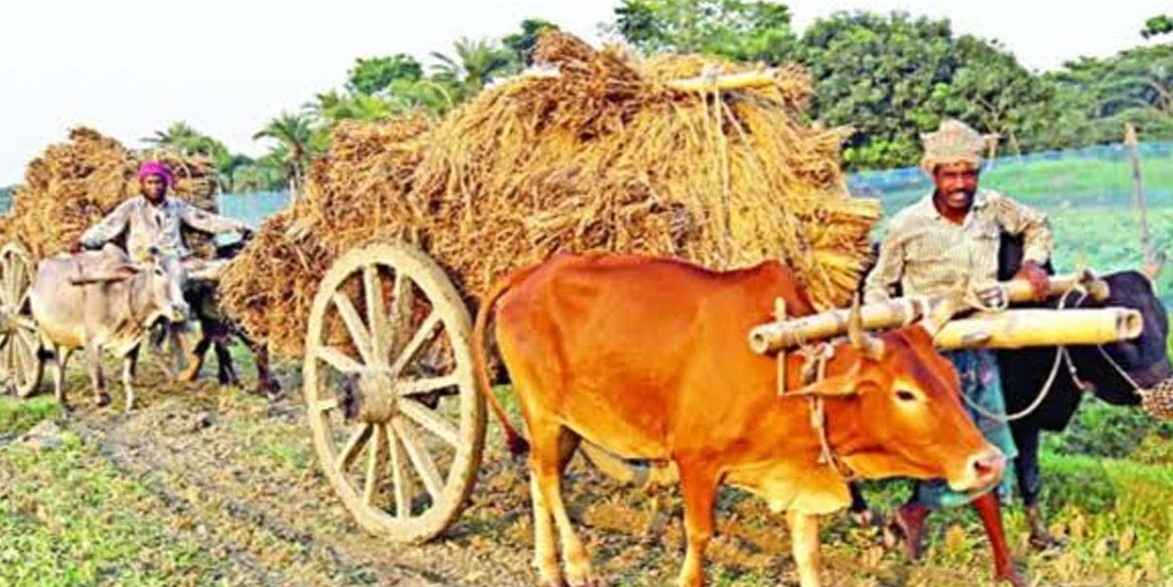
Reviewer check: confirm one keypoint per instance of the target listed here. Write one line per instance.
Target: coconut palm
(293, 133)
(474, 64)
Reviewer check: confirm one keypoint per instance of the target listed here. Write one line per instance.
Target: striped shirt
(926, 254)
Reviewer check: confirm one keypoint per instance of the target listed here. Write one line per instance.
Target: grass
(69, 518)
(18, 416)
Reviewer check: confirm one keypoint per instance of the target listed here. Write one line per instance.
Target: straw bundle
(606, 155)
(73, 185)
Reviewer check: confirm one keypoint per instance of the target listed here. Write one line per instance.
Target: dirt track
(239, 476)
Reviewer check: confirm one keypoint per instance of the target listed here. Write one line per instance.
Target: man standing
(951, 236)
(153, 220)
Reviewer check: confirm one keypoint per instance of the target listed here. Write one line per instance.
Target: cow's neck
(138, 298)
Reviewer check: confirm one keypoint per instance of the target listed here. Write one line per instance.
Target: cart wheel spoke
(431, 421)
(420, 458)
(358, 331)
(399, 476)
(354, 447)
(339, 360)
(376, 462)
(422, 335)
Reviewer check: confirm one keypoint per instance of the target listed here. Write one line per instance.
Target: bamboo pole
(1152, 264)
(726, 82)
(1013, 329)
(780, 335)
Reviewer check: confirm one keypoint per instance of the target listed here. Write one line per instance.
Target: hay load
(608, 154)
(74, 184)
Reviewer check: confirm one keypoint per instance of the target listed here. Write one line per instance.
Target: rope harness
(1157, 402)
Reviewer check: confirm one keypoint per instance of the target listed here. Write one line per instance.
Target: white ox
(101, 301)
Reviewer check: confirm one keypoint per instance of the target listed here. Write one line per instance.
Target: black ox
(1113, 372)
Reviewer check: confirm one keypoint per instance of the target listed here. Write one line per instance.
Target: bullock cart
(21, 365)
(22, 362)
(391, 395)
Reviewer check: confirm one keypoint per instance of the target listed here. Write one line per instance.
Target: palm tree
(475, 64)
(180, 136)
(293, 132)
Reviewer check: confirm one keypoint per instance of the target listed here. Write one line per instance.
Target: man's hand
(76, 247)
(1037, 276)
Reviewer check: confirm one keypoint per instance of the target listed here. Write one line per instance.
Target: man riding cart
(153, 220)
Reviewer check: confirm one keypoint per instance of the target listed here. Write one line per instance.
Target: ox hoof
(907, 526)
(1012, 577)
(102, 400)
(271, 391)
(588, 581)
(1045, 541)
(188, 375)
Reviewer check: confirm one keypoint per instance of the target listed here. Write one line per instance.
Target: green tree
(1156, 26)
(991, 88)
(180, 137)
(522, 43)
(893, 77)
(888, 76)
(473, 65)
(293, 134)
(737, 29)
(373, 75)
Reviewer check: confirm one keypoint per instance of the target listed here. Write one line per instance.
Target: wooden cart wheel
(388, 372)
(20, 365)
(627, 472)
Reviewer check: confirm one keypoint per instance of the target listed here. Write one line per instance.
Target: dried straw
(603, 156)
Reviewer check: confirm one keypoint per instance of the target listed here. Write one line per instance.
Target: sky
(131, 67)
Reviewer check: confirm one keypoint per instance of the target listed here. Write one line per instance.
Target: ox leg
(699, 489)
(991, 514)
(196, 359)
(226, 372)
(1030, 484)
(804, 538)
(267, 385)
(545, 547)
(546, 465)
(129, 363)
(97, 378)
(60, 361)
(861, 512)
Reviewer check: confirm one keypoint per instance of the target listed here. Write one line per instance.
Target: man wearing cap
(950, 236)
(153, 220)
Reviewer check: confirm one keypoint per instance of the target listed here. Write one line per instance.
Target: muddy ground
(234, 478)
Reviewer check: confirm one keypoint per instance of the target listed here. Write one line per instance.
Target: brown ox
(649, 359)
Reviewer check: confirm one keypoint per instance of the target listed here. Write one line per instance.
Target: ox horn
(860, 339)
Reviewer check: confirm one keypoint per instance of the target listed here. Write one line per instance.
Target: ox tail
(517, 445)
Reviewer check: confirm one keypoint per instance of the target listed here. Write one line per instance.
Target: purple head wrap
(156, 168)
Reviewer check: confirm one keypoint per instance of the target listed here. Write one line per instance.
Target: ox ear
(841, 385)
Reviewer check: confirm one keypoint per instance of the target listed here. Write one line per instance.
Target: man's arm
(108, 228)
(1034, 226)
(887, 272)
(205, 221)
(1038, 240)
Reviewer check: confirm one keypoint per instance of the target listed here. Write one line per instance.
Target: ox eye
(905, 396)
